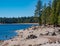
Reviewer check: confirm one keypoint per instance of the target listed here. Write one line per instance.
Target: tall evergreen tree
(44, 15)
(57, 11)
(49, 12)
(53, 15)
(38, 11)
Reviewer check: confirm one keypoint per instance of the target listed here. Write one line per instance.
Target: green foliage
(48, 9)
(38, 11)
(18, 20)
(59, 19)
(44, 15)
(54, 15)
(48, 14)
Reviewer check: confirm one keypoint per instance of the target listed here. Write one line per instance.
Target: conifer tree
(57, 11)
(49, 12)
(53, 15)
(38, 11)
(44, 15)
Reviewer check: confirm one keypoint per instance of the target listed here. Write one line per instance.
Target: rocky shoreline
(36, 36)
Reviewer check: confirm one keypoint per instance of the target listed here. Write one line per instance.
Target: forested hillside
(18, 20)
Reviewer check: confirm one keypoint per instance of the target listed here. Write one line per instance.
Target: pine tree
(49, 12)
(57, 11)
(44, 15)
(53, 15)
(38, 11)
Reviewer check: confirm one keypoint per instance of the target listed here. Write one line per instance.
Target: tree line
(44, 14)
(18, 20)
(48, 14)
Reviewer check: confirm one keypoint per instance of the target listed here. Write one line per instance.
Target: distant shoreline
(18, 23)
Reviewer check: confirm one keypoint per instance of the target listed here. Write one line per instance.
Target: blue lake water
(7, 31)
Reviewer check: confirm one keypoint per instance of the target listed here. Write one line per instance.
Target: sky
(18, 8)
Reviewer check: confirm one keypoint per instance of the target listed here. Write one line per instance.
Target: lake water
(7, 31)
